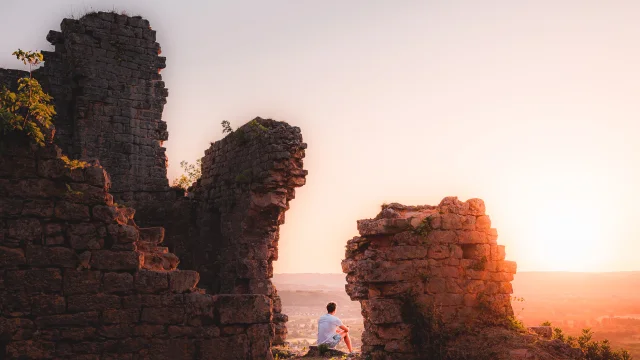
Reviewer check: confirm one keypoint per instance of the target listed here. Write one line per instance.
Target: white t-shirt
(327, 325)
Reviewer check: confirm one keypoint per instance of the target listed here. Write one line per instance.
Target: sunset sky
(532, 106)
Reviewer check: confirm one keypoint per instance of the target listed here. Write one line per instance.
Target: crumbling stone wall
(109, 96)
(9, 78)
(426, 261)
(248, 179)
(80, 280)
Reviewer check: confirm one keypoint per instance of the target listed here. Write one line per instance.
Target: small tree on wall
(29, 110)
(192, 172)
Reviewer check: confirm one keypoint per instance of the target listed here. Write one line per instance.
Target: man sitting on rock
(331, 330)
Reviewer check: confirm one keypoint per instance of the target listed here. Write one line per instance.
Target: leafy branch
(28, 110)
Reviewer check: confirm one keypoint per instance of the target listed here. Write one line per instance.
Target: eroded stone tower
(414, 262)
(104, 76)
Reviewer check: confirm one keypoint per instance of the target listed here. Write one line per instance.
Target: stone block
(507, 266)
(10, 207)
(92, 302)
(398, 346)
(445, 299)
(442, 237)
(483, 223)
(183, 280)
(242, 309)
(147, 281)
(498, 252)
(118, 282)
(34, 280)
(28, 229)
(543, 331)
(472, 237)
(234, 348)
(97, 176)
(47, 305)
(38, 208)
(123, 234)
(152, 235)
(103, 213)
(116, 331)
(39, 256)
(124, 316)
(149, 300)
(451, 221)
(146, 330)
(65, 320)
(393, 332)
(439, 251)
(116, 260)
(30, 349)
(11, 257)
(436, 285)
(382, 311)
(65, 210)
(406, 253)
(163, 315)
(82, 282)
(476, 207)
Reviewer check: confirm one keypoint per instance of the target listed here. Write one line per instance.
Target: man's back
(327, 325)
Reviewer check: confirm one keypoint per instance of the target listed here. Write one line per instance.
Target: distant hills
(309, 281)
(535, 282)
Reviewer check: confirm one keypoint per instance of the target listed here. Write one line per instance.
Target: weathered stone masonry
(77, 283)
(80, 280)
(439, 259)
(104, 78)
(248, 179)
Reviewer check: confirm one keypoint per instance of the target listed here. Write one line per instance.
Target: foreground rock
(80, 280)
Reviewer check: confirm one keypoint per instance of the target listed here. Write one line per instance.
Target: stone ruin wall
(248, 179)
(80, 280)
(9, 78)
(427, 260)
(109, 96)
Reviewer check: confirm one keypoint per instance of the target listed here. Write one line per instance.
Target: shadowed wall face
(104, 78)
(248, 179)
(78, 277)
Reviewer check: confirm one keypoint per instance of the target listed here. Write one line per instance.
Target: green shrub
(29, 110)
(515, 324)
(192, 172)
(323, 348)
(592, 350)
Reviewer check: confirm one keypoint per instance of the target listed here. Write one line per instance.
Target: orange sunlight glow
(569, 223)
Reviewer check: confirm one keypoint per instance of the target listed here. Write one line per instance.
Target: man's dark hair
(331, 307)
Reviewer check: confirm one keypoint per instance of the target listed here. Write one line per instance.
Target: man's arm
(343, 327)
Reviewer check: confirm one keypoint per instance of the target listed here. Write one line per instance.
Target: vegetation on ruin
(30, 109)
(226, 127)
(239, 134)
(428, 333)
(423, 228)
(480, 265)
(191, 174)
(592, 350)
(73, 164)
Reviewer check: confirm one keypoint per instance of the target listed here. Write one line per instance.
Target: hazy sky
(530, 105)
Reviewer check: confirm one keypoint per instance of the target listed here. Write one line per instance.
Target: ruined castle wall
(9, 78)
(429, 262)
(248, 179)
(80, 280)
(104, 78)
